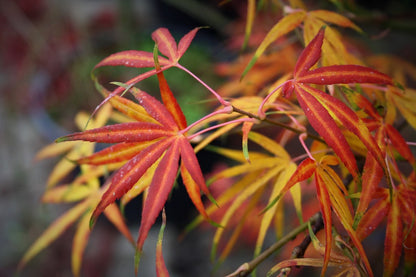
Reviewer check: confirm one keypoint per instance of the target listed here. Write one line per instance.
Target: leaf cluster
(355, 166)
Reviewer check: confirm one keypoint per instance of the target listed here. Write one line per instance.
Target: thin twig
(247, 268)
(276, 123)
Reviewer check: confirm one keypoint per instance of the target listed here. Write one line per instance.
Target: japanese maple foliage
(166, 146)
(357, 166)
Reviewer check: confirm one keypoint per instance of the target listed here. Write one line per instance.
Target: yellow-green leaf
(281, 28)
(54, 231)
(66, 193)
(335, 18)
(269, 145)
(79, 243)
(278, 185)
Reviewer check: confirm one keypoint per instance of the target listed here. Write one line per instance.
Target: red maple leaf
(158, 139)
(323, 110)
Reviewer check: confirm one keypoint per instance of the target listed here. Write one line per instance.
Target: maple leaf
(143, 145)
(400, 233)
(167, 45)
(387, 137)
(331, 193)
(323, 110)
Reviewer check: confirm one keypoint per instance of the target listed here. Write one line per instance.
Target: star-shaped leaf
(326, 112)
(145, 144)
(331, 195)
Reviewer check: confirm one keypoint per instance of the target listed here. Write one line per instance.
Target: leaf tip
(248, 67)
(212, 199)
(137, 257)
(20, 267)
(93, 220)
(62, 139)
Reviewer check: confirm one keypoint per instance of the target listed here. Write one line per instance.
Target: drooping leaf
(54, 231)
(337, 192)
(393, 240)
(335, 18)
(321, 109)
(193, 191)
(141, 185)
(270, 213)
(113, 214)
(342, 208)
(159, 190)
(79, 243)
(161, 270)
(372, 175)
(269, 145)
(66, 193)
(241, 197)
(244, 144)
(127, 176)
(284, 26)
(324, 202)
(251, 12)
(191, 164)
(373, 217)
(400, 144)
(349, 120)
(325, 125)
(54, 149)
